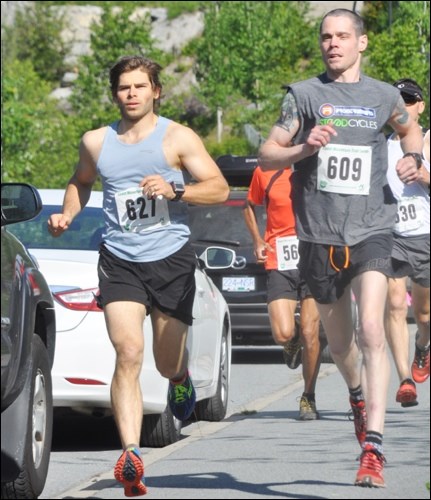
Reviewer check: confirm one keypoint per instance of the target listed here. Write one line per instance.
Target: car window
(223, 223)
(84, 233)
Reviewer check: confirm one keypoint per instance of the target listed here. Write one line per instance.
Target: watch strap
(178, 189)
(416, 156)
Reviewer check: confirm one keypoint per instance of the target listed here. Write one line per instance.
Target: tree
(402, 49)
(249, 48)
(36, 137)
(36, 36)
(247, 52)
(117, 34)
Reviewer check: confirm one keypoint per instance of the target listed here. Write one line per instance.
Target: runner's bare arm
(211, 187)
(409, 131)
(79, 187)
(411, 139)
(423, 172)
(260, 247)
(278, 151)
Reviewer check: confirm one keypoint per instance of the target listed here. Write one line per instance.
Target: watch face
(179, 188)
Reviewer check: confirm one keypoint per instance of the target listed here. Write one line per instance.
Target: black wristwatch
(417, 157)
(178, 189)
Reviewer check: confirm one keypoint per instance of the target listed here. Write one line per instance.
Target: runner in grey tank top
(159, 227)
(146, 263)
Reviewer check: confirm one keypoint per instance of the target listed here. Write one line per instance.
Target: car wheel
(214, 409)
(159, 430)
(31, 479)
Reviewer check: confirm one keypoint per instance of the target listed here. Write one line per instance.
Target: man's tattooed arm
(288, 119)
(400, 114)
(279, 150)
(408, 130)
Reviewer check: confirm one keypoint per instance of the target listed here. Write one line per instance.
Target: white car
(84, 357)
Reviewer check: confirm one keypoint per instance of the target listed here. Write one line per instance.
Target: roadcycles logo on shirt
(359, 116)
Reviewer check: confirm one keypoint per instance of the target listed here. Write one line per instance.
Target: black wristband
(178, 190)
(417, 157)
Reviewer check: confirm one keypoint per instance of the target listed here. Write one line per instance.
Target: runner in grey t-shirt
(330, 128)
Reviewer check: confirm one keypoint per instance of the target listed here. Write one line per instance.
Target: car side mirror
(19, 202)
(218, 257)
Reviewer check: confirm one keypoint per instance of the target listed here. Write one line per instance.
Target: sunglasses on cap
(409, 99)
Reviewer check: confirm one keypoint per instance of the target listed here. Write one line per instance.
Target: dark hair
(130, 63)
(356, 19)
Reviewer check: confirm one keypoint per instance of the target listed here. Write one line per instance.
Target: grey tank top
(137, 229)
(341, 195)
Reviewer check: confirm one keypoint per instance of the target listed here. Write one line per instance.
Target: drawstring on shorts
(346, 259)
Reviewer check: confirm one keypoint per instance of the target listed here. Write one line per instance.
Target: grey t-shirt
(341, 195)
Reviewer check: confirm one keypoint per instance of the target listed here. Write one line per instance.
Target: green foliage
(377, 15)
(117, 34)
(381, 15)
(40, 27)
(247, 52)
(230, 145)
(250, 48)
(402, 51)
(190, 111)
(35, 134)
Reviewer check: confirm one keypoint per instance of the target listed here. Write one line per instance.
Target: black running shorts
(286, 285)
(329, 272)
(167, 284)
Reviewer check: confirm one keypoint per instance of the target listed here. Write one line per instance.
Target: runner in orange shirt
(278, 252)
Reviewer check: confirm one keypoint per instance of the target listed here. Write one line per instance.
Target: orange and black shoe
(360, 419)
(129, 471)
(407, 394)
(421, 364)
(370, 471)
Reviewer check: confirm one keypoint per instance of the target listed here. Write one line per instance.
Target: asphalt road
(260, 450)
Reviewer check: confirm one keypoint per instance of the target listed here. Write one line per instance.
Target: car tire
(214, 409)
(31, 479)
(159, 430)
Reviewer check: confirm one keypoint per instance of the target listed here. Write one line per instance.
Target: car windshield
(223, 223)
(208, 223)
(85, 232)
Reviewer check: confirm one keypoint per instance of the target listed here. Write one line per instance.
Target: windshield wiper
(220, 242)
